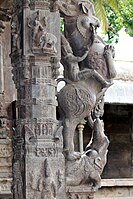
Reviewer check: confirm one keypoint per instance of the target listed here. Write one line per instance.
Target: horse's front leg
(69, 126)
(109, 53)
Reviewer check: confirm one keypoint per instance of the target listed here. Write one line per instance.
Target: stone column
(38, 163)
(80, 130)
(5, 139)
(1, 70)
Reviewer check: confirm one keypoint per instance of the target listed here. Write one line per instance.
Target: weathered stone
(36, 146)
(5, 125)
(88, 72)
(44, 162)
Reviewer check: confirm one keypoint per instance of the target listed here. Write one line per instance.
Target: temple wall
(115, 193)
(115, 189)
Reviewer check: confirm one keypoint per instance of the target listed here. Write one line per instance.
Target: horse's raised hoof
(72, 156)
(109, 50)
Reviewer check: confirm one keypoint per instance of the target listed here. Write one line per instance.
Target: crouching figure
(88, 168)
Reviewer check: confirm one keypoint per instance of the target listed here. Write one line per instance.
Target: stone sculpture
(77, 100)
(48, 40)
(15, 32)
(41, 38)
(88, 168)
(39, 139)
(42, 184)
(35, 26)
(88, 72)
(70, 62)
(38, 162)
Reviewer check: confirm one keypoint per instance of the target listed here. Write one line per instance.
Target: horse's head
(87, 27)
(87, 8)
(91, 23)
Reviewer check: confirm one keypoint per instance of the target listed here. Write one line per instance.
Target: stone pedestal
(80, 192)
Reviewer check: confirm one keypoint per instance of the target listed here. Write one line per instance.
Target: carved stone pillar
(5, 151)
(5, 139)
(80, 129)
(38, 163)
(1, 71)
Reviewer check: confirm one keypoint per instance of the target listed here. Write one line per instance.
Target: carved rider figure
(70, 62)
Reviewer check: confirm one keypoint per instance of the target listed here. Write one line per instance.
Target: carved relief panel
(40, 35)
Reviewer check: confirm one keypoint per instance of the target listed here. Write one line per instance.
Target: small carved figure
(60, 178)
(35, 184)
(48, 40)
(15, 30)
(35, 26)
(42, 183)
(49, 187)
(55, 65)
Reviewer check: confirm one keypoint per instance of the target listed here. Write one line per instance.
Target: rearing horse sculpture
(83, 95)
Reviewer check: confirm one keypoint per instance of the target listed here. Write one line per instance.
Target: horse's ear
(83, 7)
(87, 7)
(85, 10)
